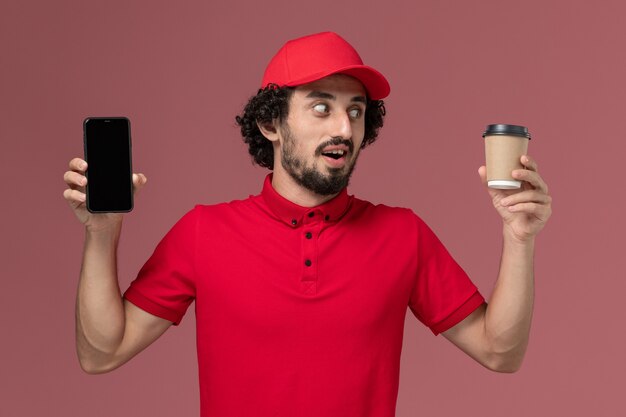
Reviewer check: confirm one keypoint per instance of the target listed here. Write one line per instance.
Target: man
(301, 292)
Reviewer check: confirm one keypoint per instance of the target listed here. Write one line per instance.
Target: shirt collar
(295, 215)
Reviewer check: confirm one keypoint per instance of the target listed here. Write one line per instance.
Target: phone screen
(109, 168)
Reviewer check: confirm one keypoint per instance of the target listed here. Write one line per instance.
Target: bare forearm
(497, 335)
(100, 317)
(509, 313)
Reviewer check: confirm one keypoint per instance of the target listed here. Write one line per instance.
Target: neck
(288, 188)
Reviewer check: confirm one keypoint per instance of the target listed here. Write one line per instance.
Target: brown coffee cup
(504, 147)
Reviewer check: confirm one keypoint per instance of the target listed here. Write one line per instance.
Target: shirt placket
(311, 227)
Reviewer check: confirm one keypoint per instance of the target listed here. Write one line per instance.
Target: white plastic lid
(504, 184)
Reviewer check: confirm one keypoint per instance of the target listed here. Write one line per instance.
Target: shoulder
(365, 207)
(391, 216)
(228, 214)
(208, 217)
(399, 219)
(219, 209)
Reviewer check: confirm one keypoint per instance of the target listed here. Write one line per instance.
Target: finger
(493, 192)
(540, 211)
(78, 164)
(139, 180)
(529, 163)
(74, 197)
(529, 196)
(532, 177)
(74, 179)
(482, 173)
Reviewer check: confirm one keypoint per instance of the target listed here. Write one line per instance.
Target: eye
(321, 108)
(355, 113)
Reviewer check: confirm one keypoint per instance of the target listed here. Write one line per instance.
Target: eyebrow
(327, 96)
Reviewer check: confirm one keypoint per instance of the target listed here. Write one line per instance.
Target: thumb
(139, 180)
(482, 173)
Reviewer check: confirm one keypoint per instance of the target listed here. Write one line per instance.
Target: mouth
(335, 154)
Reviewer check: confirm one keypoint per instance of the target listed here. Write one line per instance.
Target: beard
(309, 177)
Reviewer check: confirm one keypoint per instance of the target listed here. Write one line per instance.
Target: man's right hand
(75, 195)
(109, 329)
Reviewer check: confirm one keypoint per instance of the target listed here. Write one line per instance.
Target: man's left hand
(524, 211)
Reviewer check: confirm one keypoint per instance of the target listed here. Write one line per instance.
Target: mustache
(335, 142)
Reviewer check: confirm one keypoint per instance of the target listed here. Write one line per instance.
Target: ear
(269, 130)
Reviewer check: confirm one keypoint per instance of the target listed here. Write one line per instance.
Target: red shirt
(300, 311)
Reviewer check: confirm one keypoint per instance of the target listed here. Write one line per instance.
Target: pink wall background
(182, 70)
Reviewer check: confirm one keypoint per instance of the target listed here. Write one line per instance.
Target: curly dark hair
(272, 103)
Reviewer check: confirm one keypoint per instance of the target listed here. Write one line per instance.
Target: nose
(342, 126)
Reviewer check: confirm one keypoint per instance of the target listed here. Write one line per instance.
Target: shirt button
(311, 214)
(308, 235)
(294, 222)
(307, 262)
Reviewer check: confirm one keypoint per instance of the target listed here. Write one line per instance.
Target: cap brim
(375, 83)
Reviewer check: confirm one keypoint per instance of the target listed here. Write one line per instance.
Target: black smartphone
(109, 167)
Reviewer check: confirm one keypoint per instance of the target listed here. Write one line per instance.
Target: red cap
(310, 58)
